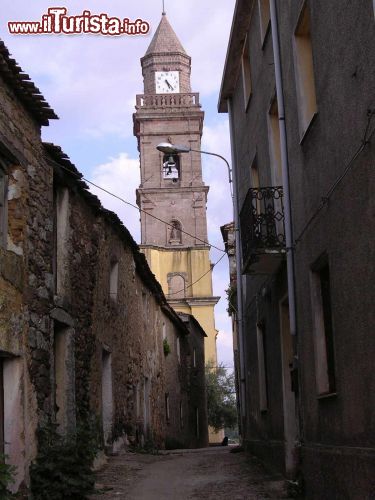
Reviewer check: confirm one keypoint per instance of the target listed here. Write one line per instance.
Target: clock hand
(169, 85)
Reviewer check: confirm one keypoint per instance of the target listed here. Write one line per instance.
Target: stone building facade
(81, 314)
(308, 408)
(196, 378)
(185, 399)
(177, 252)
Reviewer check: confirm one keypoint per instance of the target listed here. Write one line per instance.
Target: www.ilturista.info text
(57, 22)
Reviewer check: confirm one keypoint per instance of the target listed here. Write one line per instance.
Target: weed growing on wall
(166, 347)
(62, 469)
(6, 478)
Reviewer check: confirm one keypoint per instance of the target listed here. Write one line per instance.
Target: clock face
(167, 82)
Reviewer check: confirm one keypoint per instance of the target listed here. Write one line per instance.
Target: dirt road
(210, 473)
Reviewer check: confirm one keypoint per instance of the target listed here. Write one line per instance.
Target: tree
(221, 397)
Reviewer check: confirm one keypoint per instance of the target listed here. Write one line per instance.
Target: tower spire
(163, 13)
(165, 39)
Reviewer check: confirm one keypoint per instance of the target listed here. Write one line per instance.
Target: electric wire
(138, 208)
(160, 220)
(196, 281)
(325, 199)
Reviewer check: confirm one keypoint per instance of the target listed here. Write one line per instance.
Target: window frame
(264, 26)
(302, 42)
(274, 146)
(262, 367)
(246, 74)
(114, 280)
(181, 415)
(167, 408)
(4, 181)
(323, 329)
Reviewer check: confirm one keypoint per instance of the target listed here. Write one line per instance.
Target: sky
(91, 82)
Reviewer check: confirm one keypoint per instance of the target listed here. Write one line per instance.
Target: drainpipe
(240, 323)
(287, 207)
(285, 171)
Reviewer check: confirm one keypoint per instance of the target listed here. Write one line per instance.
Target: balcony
(157, 101)
(262, 230)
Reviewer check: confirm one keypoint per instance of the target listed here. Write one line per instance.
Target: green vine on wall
(62, 469)
(232, 299)
(166, 347)
(7, 472)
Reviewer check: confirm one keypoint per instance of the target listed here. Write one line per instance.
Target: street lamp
(173, 149)
(170, 149)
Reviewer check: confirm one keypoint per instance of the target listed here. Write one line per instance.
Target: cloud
(91, 81)
(120, 176)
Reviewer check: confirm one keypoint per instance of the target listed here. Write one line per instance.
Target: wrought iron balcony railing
(151, 101)
(262, 228)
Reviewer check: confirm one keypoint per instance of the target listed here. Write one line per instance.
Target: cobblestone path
(210, 473)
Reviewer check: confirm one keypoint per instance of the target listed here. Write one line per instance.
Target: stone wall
(25, 281)
(81, 314)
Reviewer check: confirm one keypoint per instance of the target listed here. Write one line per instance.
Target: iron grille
(262, 222)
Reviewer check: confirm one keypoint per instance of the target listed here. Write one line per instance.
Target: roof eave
(24, 88)
(240, 25)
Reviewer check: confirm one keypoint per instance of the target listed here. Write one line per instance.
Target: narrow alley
(209, 473)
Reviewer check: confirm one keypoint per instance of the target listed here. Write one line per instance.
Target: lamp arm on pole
(218, 156)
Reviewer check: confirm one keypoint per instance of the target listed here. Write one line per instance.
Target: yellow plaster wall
(194, 263)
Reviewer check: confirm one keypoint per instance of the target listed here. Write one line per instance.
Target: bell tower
(172, 189)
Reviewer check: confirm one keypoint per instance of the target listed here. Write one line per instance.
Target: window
(255, 184)
(113, 280)
(304, 72)
(246, 73)
(178, 349)
(264, 17)
(262, 369)
(254, 174)
(167, 414)
(146, 406)
(274, 144)
(107, 395)
(181, 416)
(171, 167)
(194, 358)
(175, 233)
(64, 378)
(323, 326)
(176, 286)
(197, 422)
(61, 237)
(3, 207)
(136, 400)
(11, 413)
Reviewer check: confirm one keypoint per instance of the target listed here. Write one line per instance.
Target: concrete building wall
(337, 430)
(328, 77)
(262, 427)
